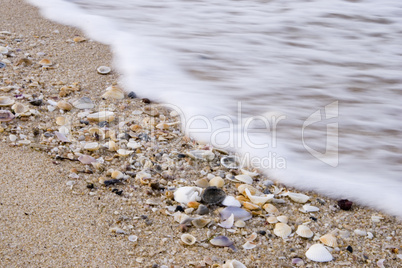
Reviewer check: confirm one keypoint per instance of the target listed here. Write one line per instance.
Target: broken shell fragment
(6, 116)
(282, 230)
(318, 253)
(230, 162)
(3, 50)
(60, 120)
(297, 197)
(228, 223)
(101, 116)
(20, 109)
(64, 105)
(270, 209)
(213, 195)
(217, 181)
(202, 154)
(309, 208)
(86, 159)
(283, 219)
(83, 103)
(244, 178)
(258, 200)
(103, 70)
(329, 240)
(230, 201)
(304, 231)
(91, 146)
(6, 101)
(188, 239)
(187, 194)
(249, 245)
(242, 189)
(79, 39)
(250, 206)
(124, 152)
(45, 62)
(113, 92)
(238, 213)
(233, 264)
(222, 241)
(200, 222)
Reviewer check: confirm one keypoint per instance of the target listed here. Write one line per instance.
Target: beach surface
(57, 211)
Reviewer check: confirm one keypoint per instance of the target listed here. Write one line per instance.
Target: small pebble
(132, 95)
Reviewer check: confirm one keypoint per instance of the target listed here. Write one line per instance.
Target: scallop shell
(6, 101)
(329, 240)
(244, 178)
(231, 162)
(222, 241)
(217, 182)
(19, 108)
(282, 230)
(101, 116)
(188, 239)
(187, 194)
(113, 92)
(103, 70)
(64, 105)
(200, 222)
(233, 264)
(304, 231)
(213, 195)
(91, 146)
(258, 200)
(6, 116)
(228, 223)
(239, 213)
(45, 62)
(270, 209)
(318, 253)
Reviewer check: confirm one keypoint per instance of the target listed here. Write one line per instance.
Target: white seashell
(124, 152)
(233, 264)
(3, 50)
(6, 101)
(304, 231)
(329, 240)
(297, 197)
(91, 146)
(231, 162)
(217, 181)
(101, 116)
(132, 144)
(242, 189)
(249, 245)
(182, 218)
(380, 263)
(187, 194)
(188, 239)
(272, 219)
(309, 208)
(230, 201)
(103, 70)
(113, 92)
(133, 238)
(252, 237)
(19, 108)
(142, 174)
(112, 146)
(282, 230)
(244, 178)
(270, 209)
(376, 219)
(283, 219)
(64, 130)
(83, 103)
(61, 137)
(97, 131)
(240, 224)
(202, 154)
(258, 200)
(200, 222)
(251, 174)
(370, 235)
(318, 253)
(228, 223)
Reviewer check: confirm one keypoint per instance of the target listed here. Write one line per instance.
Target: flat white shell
(228, 223)
(101, 116)
(304, 231)
(258, 200)
(187, 194)
(318, 253)
(230, 201)
(244, 178)
(297, 197)
(282, 230)
(309, 208)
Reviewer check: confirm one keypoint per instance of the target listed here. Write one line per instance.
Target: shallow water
(323, 78)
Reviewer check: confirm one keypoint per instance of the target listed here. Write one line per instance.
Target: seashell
(380, 263)
(103, 70)
(3, 50)
(132, 144)
(83, 103)
(272, 219)
(297, 197)
(200, 222)
(86, 159)
(258, 200)
(202, 154)
(376, 219)
(242, 189)
(241, 199)
(213, 195)
(270, 209)
(117, 230)
(132, 238)
(112, 146)
(187, 194)
(217, 182)
(124, 152)
(6, 101)
(60, 120)
(251, 174)
(113, 92)
(64, 105)
(318, 253)
(304, 231)
(252, 237)
(79, 39)
(98, 132)
(222, 241)
(91, 146)
(61, 136)
(228, 223)
(240, 224)
(309, 208)
(360, 232)
(231, 162)
(244, 178)
(64, 130)
(297, 261)
(230, 201)
(101, 116)
(45, 62)
(203, 183)
(193, 204)
(182, 218)
(250, 206)
(188, 239)
(249, 245)
(238, 213)
(117, 174)
(282, 230)
(283, 219)
(329, 240)
(19, 108)
(233, 264)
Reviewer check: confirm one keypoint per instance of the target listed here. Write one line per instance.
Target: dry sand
(46, 222)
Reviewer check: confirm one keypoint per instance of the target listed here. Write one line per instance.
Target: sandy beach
(119, 211)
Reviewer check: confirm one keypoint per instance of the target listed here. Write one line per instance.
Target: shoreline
(38, 186)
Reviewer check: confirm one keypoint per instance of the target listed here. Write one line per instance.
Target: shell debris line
(131, 151)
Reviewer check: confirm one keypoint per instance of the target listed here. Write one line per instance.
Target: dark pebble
(125, 137)
(48, 134)
(103, 124)
(155, 266)
(144, 217)
(181, 155)
(111, 182)
(116, 191)
(212, 195)
(148, 222)
(145, 100)
(85, 122)
(262, 232)
(202, 210)
(313, 218)
(350, 249)
(179, 208)
(132, 95)
(144, 137)
(90, 186)
(267, 191)
(2, 65)
(36, 102)
(345, 204)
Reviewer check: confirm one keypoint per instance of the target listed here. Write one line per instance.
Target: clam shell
(244, 178)
(91, 146)
(297, 197)
(113, 92)
(240, 224)
(270, 209)
(283, 219)
(239, 213)
(103, 70)
(217, 182)
(304, 231)
(329, 240)
(222, 241)
(252, 237)
(213, 195)
(233, 264)
(228, 223)
(200, 222)
(230, 201)
(188, 239)
(6, 101)
(117, 175)
(60, 120)
(258, 200)
(64, 105)
(272, 219)
(282, 230)
(101, 116)
(318, 253)
(45, 62)
(187, 194)
(19, 108)
(231, 162)
(83, 103)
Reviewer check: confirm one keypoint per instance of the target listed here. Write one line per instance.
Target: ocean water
(310, 92)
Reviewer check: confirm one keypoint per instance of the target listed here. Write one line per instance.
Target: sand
(53, 215)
